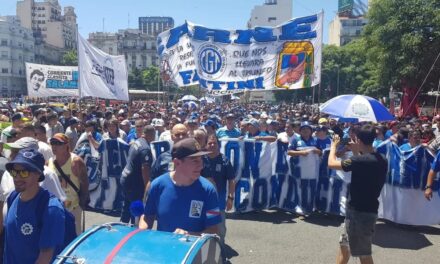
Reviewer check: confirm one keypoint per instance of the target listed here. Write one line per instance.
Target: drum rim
(203, 237)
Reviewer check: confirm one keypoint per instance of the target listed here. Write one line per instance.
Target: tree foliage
(402, 40)
(70, 58)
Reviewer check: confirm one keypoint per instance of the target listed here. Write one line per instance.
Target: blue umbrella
(360, 107)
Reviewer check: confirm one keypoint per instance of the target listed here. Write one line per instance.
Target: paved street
(280, 237)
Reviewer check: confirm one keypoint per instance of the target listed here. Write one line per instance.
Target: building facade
(154, 25)
(138, 48)
(17, 46)
(342, 30)
(271, 13)
(48, 23)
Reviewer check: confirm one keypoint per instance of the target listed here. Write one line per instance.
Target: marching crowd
(45, 187)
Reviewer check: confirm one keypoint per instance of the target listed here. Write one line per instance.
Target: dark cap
(187, 147)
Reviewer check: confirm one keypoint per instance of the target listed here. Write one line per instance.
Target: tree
(70, 58)
(402, 40)
(135, 79)
(150, 78)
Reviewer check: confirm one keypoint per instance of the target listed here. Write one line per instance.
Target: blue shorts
(358, 231)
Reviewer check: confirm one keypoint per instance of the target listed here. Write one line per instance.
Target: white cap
(135, 115)
(159, 122)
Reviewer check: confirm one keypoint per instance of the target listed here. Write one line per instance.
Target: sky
(222, 14)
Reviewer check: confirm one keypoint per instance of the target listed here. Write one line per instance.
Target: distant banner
(287, 56)
(51, 80)
(102, 75)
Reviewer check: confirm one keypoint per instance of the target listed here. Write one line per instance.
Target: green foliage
(402, 39)
(70, 58)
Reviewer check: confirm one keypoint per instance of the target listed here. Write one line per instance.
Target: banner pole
(320, 66)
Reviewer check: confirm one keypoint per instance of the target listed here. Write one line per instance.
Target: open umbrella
(360, 107)
(190, 105)
(189, 98)
(208, 100)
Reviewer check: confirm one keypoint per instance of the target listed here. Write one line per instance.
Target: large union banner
(50, 80)
(267, 178)
(287, 56)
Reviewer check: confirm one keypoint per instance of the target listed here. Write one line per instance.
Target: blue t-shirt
(131, 137)
(377, 142)
(25, 235)
(301, 143)
(323, 143)
(223, 132)
(259, 134)
(192, 208)
(221, 170)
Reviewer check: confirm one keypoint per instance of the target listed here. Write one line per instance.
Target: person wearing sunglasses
(72, 172)
(28, 239)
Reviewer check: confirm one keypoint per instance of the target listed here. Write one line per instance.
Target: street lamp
(337, 81)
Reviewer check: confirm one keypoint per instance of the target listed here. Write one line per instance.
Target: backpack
(43, 202)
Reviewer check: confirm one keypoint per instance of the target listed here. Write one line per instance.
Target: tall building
(17, 46)
(138, 48)
(349, 22)
(271, 13)
(154, 25)
(48, 23)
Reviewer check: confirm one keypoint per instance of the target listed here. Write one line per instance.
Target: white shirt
(46, 150)
(285, 138)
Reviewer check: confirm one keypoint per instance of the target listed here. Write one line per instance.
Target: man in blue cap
(229, 130)
(254, 132)
(28, 239)
(305, 144)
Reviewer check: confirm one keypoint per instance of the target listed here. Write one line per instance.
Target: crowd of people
(39, 154)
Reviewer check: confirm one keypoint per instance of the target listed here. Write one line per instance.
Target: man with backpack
(35, 222)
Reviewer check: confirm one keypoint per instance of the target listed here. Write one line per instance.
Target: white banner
(50, 80)
(287, 56)
(101, 75)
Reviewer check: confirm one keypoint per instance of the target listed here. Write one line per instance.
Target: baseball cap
(187, 147)
(73, 121)
(306, 124)
(254, 122)
(135, 115)
(22, 143)
(125, 122)
(10, 133)
(59, 137)
(322, 120)
(209, 122)
(230, 115)
(30, 159)
(159, 122)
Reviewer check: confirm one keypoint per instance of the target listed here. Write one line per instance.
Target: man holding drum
(181, 201)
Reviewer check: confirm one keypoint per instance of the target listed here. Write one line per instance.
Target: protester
(218, 168)
(163, 163)
(368, 171)
(28, 239)
(181, 201)
(53, 126)
(229, 130)
(72, 132)
(72, 172)
(136, 174)
(17, 123)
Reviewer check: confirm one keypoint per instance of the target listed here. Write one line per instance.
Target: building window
(4, 42)
(4, 55)
(5, 70)
(270, 19)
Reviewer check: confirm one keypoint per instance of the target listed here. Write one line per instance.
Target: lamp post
(337, 82)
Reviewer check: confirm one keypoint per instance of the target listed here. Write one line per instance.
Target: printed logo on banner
(360, 109)
(106, 72)
(195, 210)
(295, 62)
(212, 60)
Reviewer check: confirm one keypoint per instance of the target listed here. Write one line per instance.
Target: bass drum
(120, 243)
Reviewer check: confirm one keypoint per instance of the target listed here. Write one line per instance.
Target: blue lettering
(292, 193)
(259, 34)
(276, 182)
(202, 33)
(252, 151)
(242, 186)
(186, 76)
(299, 29)
(257, 204)
(175, 34)
(232, 149)
(281, 165)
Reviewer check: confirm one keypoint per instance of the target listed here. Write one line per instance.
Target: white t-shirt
(46, 150)
(285, 138)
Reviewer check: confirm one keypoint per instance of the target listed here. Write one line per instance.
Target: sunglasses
(22, 173)
(56, 143)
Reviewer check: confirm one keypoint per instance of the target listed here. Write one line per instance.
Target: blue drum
(120, 243)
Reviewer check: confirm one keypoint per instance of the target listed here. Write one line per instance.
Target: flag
(101, 75)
